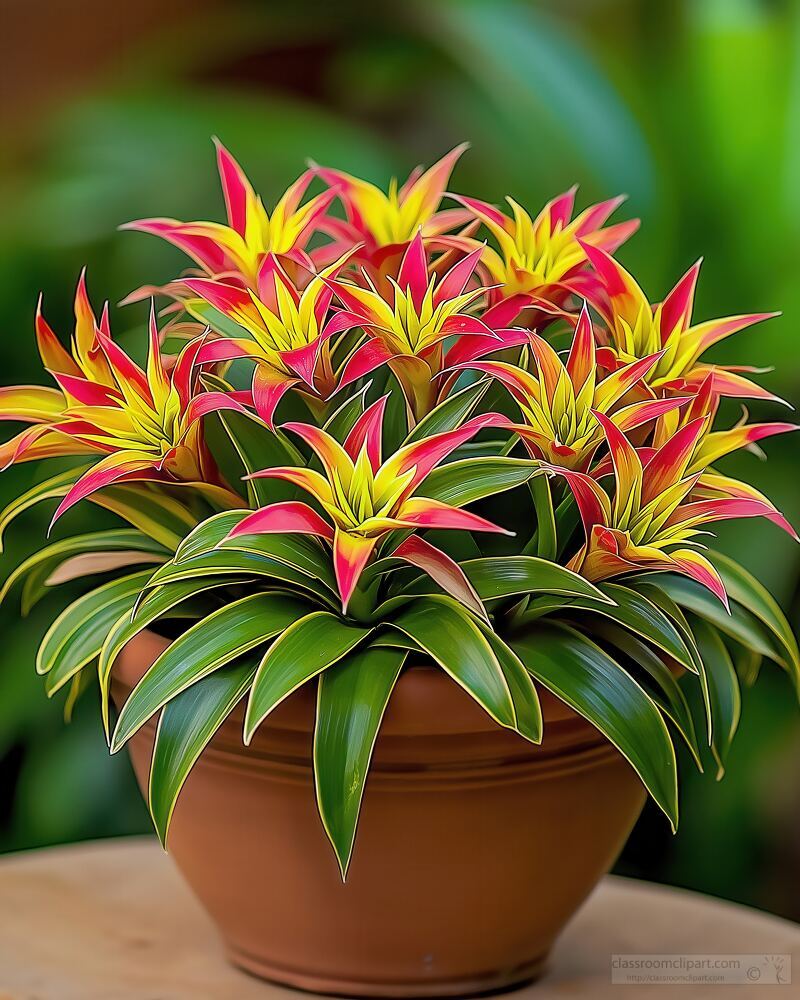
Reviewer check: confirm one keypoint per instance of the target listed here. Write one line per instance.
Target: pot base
(495, 982)
(474, 847)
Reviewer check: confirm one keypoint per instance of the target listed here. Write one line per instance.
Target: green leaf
(309, 646)
(208, 645)
(49, 489)
(40, 566)
(298, 552)
(640, 615)
(235, 562)
(157, 604)
(740, 625)
(589, 681)
(343, 419)
(83, 644)
(722, 693)
(451, 635)
(450, 414)
(656, 677)
(510, 575)
(79, 683)
(217, 320)
(748, 665)
(186, 726)
(295, 550)
(351, 701)
(747, 591)
(74, 618)
(209, 533)
(545, 538)
(151, 510)
(260, 448)
(470, 479)
(527, 710)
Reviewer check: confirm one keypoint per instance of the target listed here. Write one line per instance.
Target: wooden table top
(114, 921)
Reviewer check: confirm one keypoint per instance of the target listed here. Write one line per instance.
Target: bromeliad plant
(295, 459)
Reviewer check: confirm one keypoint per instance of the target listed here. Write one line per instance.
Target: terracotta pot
(473, 851)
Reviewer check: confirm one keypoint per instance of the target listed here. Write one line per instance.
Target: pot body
(474, 847)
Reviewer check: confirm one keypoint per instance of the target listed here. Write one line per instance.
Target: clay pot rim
(425, 701)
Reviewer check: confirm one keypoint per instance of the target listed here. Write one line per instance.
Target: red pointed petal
(455, 280)
(365, 359)
(669, 463)
(413, 273)
(581, 361)
(442, 569)
(227, 298)
(212, 402)
(627, 466)
(303, 361)
(589, 496)
(269, 387)
(226, 349)
(422, 512)
(425, 455)
(235, 188)
(282, 518)
(693, 565)
(471, 348)
(109, 470)
(676, 310)
(350, 555)
(368, 430)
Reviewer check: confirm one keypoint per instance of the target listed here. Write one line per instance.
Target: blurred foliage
(692, 107)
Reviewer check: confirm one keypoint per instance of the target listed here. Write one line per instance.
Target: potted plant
(411, 503)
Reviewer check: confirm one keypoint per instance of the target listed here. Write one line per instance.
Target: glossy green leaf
(74, 617)
(351, 701)
(510, 575)
(209, 533)
(527, 709)
(655, 676)
(260, 448)
(470, 479)
(591, 682)
(451, 413)
(743, 588)
(38, 567)
(306, 555)
(640, 615)
(723, 694)
(159, 603)
(208, 645)
(49, 489)
(235, 562)
(307, 647)
(545, 539)
(740, 625)
(185, 728)
(85, 640)
(343, 419)
(451, 635)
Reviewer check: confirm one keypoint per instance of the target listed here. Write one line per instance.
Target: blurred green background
(692, 108)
